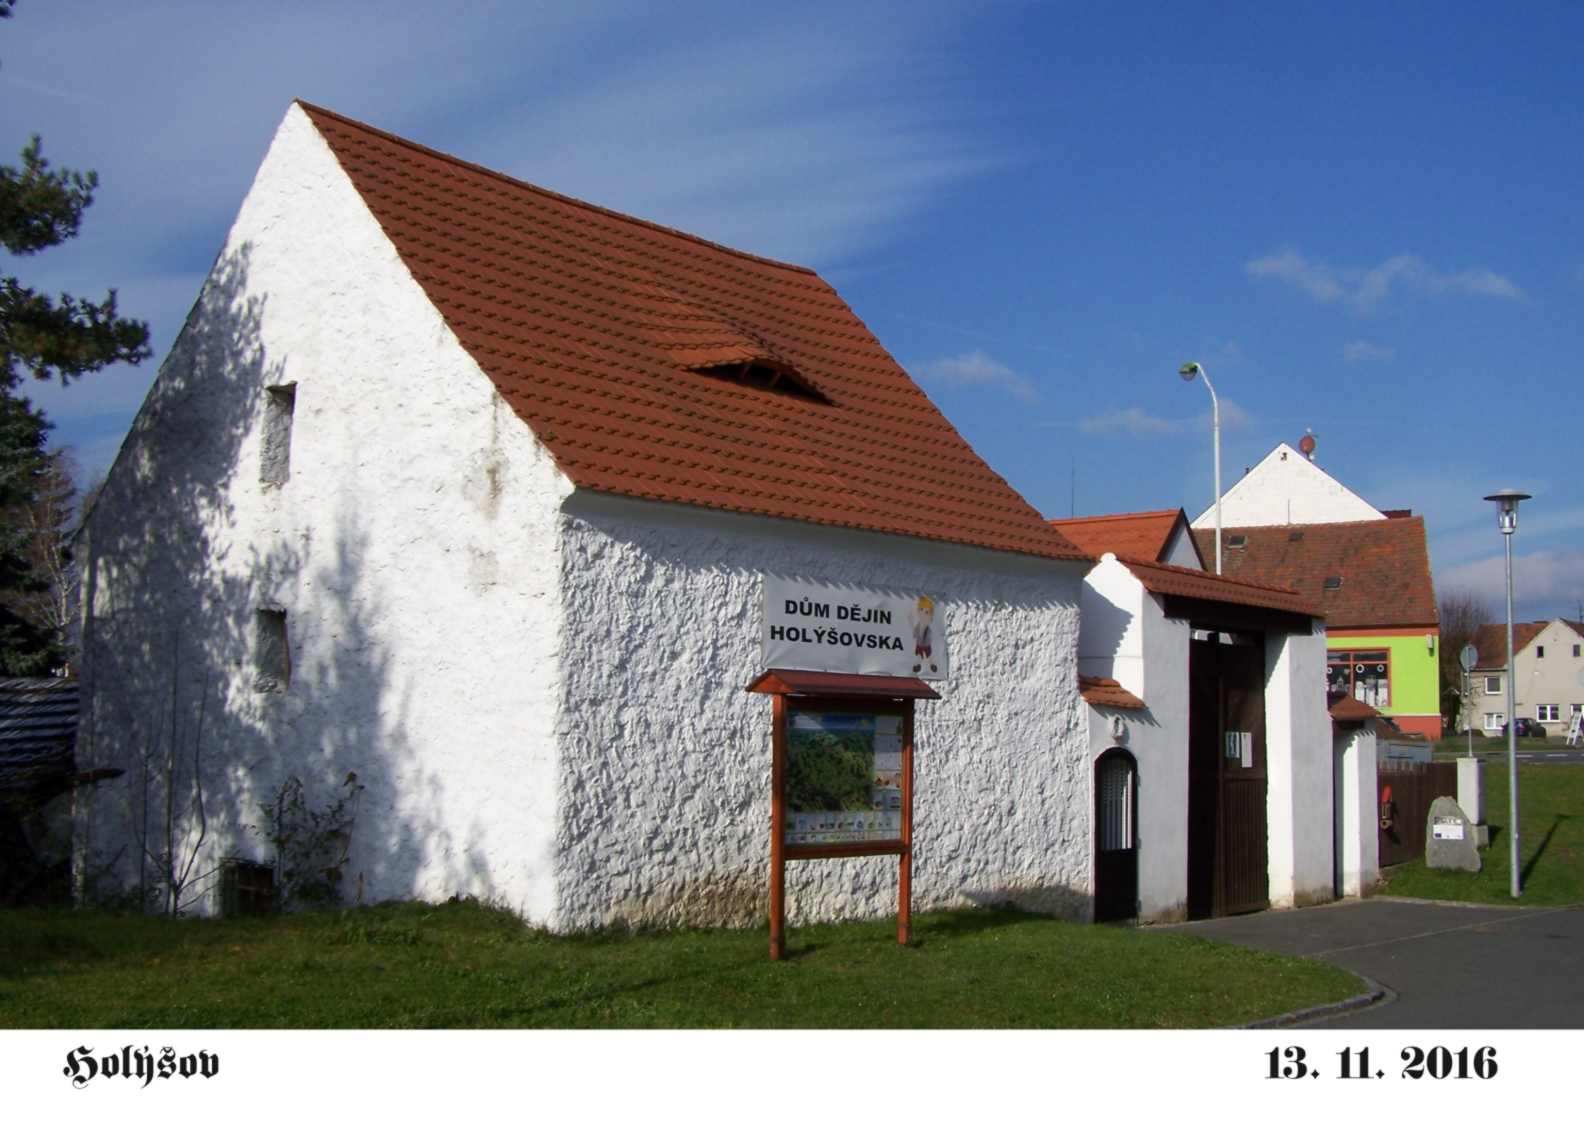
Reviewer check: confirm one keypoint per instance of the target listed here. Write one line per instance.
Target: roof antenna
(1072, 492)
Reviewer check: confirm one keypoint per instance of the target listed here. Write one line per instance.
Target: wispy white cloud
(1137, 422)
(978, 368)
(1361, 350)
(1545, 584)
(1366, 289)
(810, 135)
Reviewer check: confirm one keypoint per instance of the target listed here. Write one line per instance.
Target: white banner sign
(844, 628)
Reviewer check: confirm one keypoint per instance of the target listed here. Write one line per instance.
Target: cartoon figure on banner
(923, 623)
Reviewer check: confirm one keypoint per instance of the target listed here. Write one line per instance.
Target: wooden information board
(841, 777)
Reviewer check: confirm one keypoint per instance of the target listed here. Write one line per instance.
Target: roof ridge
(1290, 526)
(1117, 517)
(547, 192)
(1240, 581)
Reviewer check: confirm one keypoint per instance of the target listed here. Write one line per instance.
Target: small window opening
(280, 402)
(272, 652)
(1295, 535)
(1237, 541)
(1539, 651)
(1332, 583)
(772, 378)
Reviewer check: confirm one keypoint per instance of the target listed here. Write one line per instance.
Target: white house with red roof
(475, 509)
(476, 492)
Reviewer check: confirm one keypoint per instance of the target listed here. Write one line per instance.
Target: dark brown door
(1228, 857)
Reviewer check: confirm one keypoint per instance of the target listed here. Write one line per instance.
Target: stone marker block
(1450, 839)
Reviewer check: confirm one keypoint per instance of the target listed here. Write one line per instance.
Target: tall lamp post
(1188, 372)
(1507, 519)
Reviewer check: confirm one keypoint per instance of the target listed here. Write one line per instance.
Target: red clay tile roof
(1144, 536)
(600, 330)
(1350, 708)
(1171, 580)
(1105, 691)
(1491, 642)
(1384, 567)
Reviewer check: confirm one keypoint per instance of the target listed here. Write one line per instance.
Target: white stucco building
(487, 497)
(471, 490)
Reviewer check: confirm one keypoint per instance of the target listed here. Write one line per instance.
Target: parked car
(1524, 726)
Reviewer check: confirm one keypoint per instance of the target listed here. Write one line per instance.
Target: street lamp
(1507, 520)
(1188, 371)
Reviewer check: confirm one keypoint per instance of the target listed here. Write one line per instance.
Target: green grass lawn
(465, 966)
(1551, 843)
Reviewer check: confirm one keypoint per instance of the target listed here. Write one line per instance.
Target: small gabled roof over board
(1146, 536)
(1363, 574)
(656, 365)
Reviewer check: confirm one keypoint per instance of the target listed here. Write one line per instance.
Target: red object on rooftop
(1307, 445)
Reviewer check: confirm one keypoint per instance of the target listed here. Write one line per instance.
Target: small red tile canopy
(813, 683)
(813, 691)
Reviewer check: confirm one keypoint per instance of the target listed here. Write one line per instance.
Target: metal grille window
(1364, 675)
(1117, 797)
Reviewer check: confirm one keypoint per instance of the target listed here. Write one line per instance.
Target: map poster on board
(843, 778)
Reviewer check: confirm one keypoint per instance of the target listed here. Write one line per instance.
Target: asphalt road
(1441, 965)
(1536, 754)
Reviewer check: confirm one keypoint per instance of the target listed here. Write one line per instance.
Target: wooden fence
(1405, 793)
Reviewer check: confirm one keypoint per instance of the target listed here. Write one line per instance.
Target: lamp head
(1507, 507)
(1189, 369)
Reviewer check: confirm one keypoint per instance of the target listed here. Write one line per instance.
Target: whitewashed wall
(1357, 839)
(665, 788)
(1298, 767)
(413, 549)
(1284, 488)
(1126, 636)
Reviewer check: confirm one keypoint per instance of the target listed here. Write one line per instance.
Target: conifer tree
(46, 337)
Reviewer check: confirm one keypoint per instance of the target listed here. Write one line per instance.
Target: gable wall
(1284, 488)
(412, 548)
(666, 789)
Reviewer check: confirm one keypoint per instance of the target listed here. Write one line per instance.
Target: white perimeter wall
(413, 550)
(1299, 771)
(1357, 851)
(665, 792)
(1284, 488)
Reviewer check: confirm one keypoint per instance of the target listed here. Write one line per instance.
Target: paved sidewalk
(1442, 965)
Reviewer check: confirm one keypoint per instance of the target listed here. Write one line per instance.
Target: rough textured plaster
(413, 547)
(665, 791)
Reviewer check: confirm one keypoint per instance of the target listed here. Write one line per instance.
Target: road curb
(1377, 994)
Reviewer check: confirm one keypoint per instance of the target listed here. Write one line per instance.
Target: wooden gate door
(1228, 854)
(1116, 836)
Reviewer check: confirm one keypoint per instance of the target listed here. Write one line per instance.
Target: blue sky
(1362, 219)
